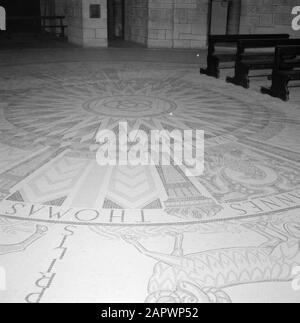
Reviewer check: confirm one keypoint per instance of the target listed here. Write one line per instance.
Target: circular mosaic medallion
(48, 137)
(129, 106)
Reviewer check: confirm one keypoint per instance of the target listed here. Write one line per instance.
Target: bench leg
(212, 67)
(279, 88)
(241, 77)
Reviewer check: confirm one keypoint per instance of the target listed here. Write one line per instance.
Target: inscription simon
(267, 204)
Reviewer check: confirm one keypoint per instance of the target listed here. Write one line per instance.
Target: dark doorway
(20, 15)
(116, 20)
(224, 17)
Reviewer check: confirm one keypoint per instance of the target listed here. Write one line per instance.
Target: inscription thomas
(255, 207)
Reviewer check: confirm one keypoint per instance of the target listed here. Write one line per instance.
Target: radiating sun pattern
(50, 127)
(74, 110)
(72, 230)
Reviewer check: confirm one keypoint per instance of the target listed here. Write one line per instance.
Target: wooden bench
(287, 60)
(214, 59)
(246, 62)
(50, 22)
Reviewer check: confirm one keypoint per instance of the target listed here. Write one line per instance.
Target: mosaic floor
(72, 231)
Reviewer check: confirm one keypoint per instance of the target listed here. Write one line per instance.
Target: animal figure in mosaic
(235, 174)
(202, 277)
(238, 161)
(242, 163)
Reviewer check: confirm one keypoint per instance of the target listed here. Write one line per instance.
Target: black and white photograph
(149, 153)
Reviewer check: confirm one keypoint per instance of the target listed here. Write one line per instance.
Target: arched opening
(127, 23)
(115, 21)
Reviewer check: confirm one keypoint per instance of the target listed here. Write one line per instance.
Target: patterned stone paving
(81, 232)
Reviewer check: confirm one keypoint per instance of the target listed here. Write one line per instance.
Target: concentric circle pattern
(234, 225)
(129, 106)
(54, 126)
(76, 105)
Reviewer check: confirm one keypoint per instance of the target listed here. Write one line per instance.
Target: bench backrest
(51, 21)
(243, 45)
(236, 38)
(34, 18)
(42, 22)
(37, 19)
(53, 17)
(213, 40)
(287, 57)
(266, 43)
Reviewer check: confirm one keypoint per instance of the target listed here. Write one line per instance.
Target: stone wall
(136, 21)
(94, 29)
(83, 30)
(177, 23)
(267, 16)
(160, 24)
(183, 23)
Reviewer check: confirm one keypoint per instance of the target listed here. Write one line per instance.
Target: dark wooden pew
(214, 58)
(286, 69)
(246, 62)
(51, 23)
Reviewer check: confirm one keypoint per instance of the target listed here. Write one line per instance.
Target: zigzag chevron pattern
(60, 176)
(132, 187)
(131, 181)
(55, 181)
